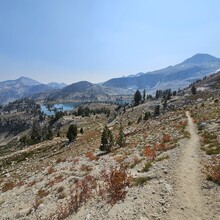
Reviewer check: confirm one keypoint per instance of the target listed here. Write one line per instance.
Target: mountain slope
(173, 76)
(56, 85)
(12, 90)
(83, 91)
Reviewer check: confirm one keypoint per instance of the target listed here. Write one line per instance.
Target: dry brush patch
(139, 181)
(150, 153)
(8, 186)
(212, 169)
(91, 156)
(207, 121)
(42, 193)
(111, 186)
(135, 161)
(115, 182)
(210, 143)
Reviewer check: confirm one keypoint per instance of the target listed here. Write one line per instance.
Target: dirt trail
(188, 200)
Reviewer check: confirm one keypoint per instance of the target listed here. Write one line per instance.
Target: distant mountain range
(84, 91)
(174, 77)
(11, 90)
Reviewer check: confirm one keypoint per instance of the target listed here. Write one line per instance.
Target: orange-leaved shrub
(91, 156)
(150, 152)
(50, 170)
(111, 186)
(166, 138)
(115, 183)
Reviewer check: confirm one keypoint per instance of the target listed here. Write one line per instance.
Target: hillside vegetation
(167, 168)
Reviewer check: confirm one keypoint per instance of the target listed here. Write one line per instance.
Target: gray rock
(23, 212)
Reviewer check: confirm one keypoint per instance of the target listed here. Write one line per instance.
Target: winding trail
(188, 200)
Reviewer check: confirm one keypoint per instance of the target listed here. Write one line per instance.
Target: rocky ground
(157, 175)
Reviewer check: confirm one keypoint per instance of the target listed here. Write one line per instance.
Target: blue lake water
(58, 107)
(51, 109)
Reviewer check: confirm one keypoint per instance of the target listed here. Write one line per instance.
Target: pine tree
(165, 103)
(50, 134)
(144, 94)
(137, 97)
(193, 89)
(72, 132)
(107, 139)
(121, 137)
(81, 131)
(157, 110)
(146, 116)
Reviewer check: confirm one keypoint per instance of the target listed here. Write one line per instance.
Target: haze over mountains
(11, 90)
(174, 77)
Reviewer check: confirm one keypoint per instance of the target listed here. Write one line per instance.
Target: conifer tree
(121, 137)
(144, 94)
(137, 97)
(107, 139)
(146, 116)
(157, 110)
(193, 89)
(72, 132)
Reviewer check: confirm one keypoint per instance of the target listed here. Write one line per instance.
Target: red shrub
(115, 183)
(91, 156)
(166, 138)
(50, 170)
(32, 183)
(160, 147)
(149, 152)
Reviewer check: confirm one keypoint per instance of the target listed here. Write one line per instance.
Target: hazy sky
(95, 40)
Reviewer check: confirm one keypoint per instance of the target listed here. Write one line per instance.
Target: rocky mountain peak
(201, 58)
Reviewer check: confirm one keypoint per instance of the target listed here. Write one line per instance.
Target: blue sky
(95, 40)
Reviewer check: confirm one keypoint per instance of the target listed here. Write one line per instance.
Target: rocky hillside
(167, 169)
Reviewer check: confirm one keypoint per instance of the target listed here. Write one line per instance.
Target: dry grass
(212, 169)
(139, 181)
(165, 157)
(135, 162)
(37, 202)
(42, 193)
(8, 186)
(50, 170)
(60, 160)
(146, 167)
